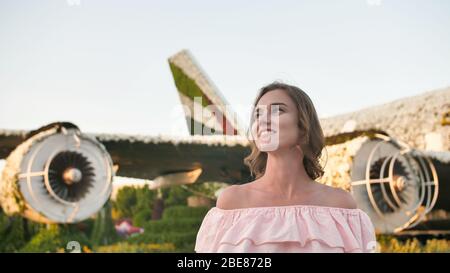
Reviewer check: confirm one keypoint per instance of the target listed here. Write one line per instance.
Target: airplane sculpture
(394, 157)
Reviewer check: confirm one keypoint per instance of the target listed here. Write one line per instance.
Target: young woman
(285, 209)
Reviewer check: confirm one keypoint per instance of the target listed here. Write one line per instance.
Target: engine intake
(57, 175)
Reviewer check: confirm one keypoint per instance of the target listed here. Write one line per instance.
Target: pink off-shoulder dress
(297, 228)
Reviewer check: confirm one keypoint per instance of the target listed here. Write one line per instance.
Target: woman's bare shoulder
(230, 197)
(337, 197)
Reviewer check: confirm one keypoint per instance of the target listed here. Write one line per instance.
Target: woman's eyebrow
(278, 103)
(262, 106)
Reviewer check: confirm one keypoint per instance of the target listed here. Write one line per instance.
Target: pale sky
(102, 64)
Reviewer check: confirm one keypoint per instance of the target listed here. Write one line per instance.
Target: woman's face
(275, 123)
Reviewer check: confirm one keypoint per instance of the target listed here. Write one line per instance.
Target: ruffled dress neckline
(288, 228)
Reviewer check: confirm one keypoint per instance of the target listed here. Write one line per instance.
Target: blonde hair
(308, 122)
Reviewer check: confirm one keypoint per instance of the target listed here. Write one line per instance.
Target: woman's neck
(285, 174)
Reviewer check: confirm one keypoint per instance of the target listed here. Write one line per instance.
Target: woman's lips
(266, 135)
(269, 131)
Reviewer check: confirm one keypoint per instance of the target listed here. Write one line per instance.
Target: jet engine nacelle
(57, 175)
(395, 184)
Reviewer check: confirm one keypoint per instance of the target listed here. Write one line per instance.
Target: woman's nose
(264, 121)
(268, 124)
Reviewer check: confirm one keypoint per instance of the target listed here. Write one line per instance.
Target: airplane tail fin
(206, 110)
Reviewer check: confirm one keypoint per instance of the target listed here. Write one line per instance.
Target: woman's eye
(258, 113)
(277, 110)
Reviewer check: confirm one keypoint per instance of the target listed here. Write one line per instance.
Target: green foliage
(175, 196)
(4, 222)
(181, 240)
(391, 244)
(207, 189)
(176, 231)
(131, 200)
(86, 226)
(55, 238)
(125, 201)
(177, 212)
(137, 203)
(104, 231)
(144, 199)
(435, 245)
(12, 234)
(186, 85)
(15, 232)
(142, 217)
(179, 226)
(172, 225)
(125, 247)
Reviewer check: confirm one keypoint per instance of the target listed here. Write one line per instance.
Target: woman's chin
(268, 146)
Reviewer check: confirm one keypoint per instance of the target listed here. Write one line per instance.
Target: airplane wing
(9, 140)
(220, 158)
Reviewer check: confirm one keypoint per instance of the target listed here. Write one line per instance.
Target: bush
(175, 196)
(12, 234)
(138, 203)
(131, 200)
(172, 225)
(4, 222)
(435, 245)
(145, 199)
(181, 240)
(178, 226)
(15, 232)
(104, 231)
(86, 226)
(125, 201)
(125, 247)
(177, 212)
(55, 239)
(391, 244)
(142, 217)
